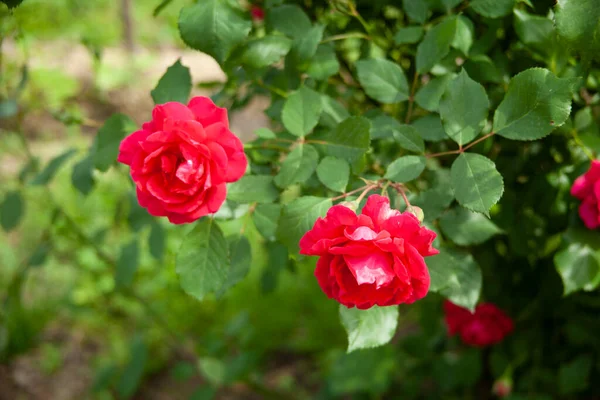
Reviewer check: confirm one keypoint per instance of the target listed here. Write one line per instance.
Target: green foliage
(382, 80)
(301, 111)
(175, 85)
(369, 328)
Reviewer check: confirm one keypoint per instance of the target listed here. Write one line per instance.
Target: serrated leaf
(429, 96)
(82, 176)
(213, 27)
(11, 210)
(492, 8)
(417, 10)
(52, 168)
(349, 140)
(430, 128)
(266, 218)
(579, 268)
(298, 217)
(298, 166)
(262, 52)
(476, 182)
(578, 22)
(408, 138)
(408, 35)
(157, 241)
(435, 45)
(289, 19)
(466, 228)
(405, 169)
(108, 139)
(464, 108)
(456, 276)
(301, 111)
(536, 103)
(369, 328)
(174, 85)
(253, 188)
(334, 173)
(324, 63)
(127, 264)
(383, 80)
(241, 259)
(203, 260)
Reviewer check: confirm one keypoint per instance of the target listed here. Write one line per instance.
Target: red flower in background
(372, 258)
(587, 189)
(182, 159)
(487, 326)
(257, 13)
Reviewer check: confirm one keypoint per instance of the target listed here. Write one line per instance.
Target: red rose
(257, 13)
(587, 189)
(372, 258)
(182, 159)
(487, 326)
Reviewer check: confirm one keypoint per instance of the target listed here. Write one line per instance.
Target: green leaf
(350, 139)
(579, 268)
(262, 52)
(430, 128)
(39, 255)
(493, 8)
(12, 3)
(213, 27)
(369, 328)
(536, 103)
(573, 377)
(333, 112)
(265, 133)
(535, 31)
(175, 85)
(298, 166)
(52, 168)
(405, 169)
(482, 69)
(334, 173)
(464, 108)
(290, 20)
(157, 241)
(127, 264)
(241, 258)
(324, 63)
(298, 217)
(301, 111)
(476, 182)
(266, 219)
(383, 80)
(456, 276)
(463, 38)
(11, 210)
(435, 45)
(253, 188)
(408, 35)
(429, 96)
(409, 139)
(435, 200)
(108, 139)
(277, 261)
(82, 176)
(131, 376)
(203, 259)
(578, 22)
(305, 46)
(8, 108)
(417, 10)
(466, 228)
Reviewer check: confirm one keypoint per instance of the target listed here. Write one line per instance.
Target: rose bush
(587, 189)
(488, 325)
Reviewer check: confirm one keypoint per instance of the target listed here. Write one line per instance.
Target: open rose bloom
(486, 326)
(375, 258)
(587, 189)
(182, 159)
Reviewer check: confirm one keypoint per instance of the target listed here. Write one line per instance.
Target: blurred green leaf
(333, 112)
(298, 166)
(574, 376)
(266, 217)
(577, 22)
(405, 168)
(305, 46)
(39, 255)
(476, 182)
(408, 35)
(369, 328)
(253, 188)
(290, 20)
(579, 268)
(493, 8)
(133, 372)
(436, 44)
(430, 128)
(429, 96)
(213, 370)
(334, 173)
(466, 228)
(174, 85)
(349, 140)
(463, 38)
(298, 217)
(265, 133)
(52, 168)
(241, 259)
(409, 138)
(127, 264)
(370, 371)
(8, 108)
(536, 103)
(301, 111)
(417, 10)
(324, 63)
(203, 260)
(464, 108)
(11, 210)
(277, 262)
(108, 139)
(262, 52)
(383, 80)
(82, 176)
(157, 241)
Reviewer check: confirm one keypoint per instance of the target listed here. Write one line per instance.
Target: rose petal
(207, 113)
(131, 145)
(371, 268)
(172, 110)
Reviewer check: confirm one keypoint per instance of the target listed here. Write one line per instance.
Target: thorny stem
(411, 99)
(461, 149)
(400, 189)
